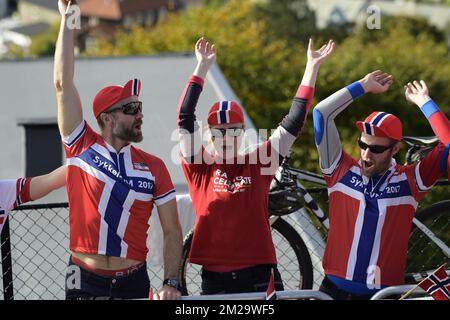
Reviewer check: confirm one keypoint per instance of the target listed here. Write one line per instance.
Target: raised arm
(40, 186)
(70, 113)
(190, 138)
(325, 131)
(293, 123)
(417, 93)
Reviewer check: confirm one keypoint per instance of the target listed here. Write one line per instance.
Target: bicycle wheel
(294, 262)
(424, 254)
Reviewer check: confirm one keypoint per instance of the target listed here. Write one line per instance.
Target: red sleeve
(441, 126)
(164, 189)
(305, 92)
(431, 167)
(23, 191)
(79, 140)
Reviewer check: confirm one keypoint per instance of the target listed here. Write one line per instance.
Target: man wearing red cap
(372, 200)
(229, 190)
(112, 187)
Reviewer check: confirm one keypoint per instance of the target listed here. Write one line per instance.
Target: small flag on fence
(437, 284)
(271, 294)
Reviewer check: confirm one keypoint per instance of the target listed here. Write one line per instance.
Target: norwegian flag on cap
(224, 112)
(382, 124)
(110, 95)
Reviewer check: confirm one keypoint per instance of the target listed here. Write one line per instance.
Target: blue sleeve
(356, 90)
(429, 108)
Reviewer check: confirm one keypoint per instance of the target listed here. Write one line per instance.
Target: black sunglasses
(221, 132)
(131, 108)
(374, 148)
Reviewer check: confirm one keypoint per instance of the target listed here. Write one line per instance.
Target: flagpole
(411, 291)
(407, 294)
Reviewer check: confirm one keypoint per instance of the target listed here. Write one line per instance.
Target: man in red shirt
(112, 187)
(373, 199)
(229, 190)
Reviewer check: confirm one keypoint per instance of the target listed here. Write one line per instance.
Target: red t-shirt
(231, 206)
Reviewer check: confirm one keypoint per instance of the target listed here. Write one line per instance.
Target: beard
(378, 168)
(130, 134)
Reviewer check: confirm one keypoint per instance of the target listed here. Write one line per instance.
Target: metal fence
(39, 236)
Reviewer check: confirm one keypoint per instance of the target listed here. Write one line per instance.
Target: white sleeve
(8, 196)
(282, 141)
(325, 131)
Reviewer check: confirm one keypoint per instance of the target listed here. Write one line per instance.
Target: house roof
(117, 9)
(50, 4)
(31, 29)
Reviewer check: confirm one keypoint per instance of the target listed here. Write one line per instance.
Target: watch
(172, 282)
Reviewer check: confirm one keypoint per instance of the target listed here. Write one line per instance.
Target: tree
(264, 67)
(288, 19)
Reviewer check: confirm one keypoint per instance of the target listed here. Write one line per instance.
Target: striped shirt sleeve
(164, 189)
(79, 140)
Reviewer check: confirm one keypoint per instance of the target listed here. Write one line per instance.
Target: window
(43, 146)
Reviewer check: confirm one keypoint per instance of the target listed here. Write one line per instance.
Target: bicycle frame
(432, 237)
(309, 200)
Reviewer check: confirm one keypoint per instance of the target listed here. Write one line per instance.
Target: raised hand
(205, 52)
(206, 56)
(377, 81)
(416, 92)
(317, 57)
(63, 4)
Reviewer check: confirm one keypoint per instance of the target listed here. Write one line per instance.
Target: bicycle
(288, 195)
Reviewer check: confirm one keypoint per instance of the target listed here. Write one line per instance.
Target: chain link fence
(39, 237)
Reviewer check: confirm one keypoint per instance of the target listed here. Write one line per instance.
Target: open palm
(321, 55)
(377, 81)
(205, 52)
(63, 4)
(417, 92)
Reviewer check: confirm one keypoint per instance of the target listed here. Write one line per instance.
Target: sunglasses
(131, 108)
(230, 132)
(374, 148)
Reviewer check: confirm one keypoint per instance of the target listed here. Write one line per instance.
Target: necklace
(376, 184)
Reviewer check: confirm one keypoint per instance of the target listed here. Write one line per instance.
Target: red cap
(381, 124)
(110, 95)
(225, 112)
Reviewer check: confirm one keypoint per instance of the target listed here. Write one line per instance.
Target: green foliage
(263, 61)
(14, 52)
(263, 69)
(288, 19)
(44, 44)
(41, 45)
(407, 55)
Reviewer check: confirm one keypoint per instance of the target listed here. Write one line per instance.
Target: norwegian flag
(271, 294)
(437, 284)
